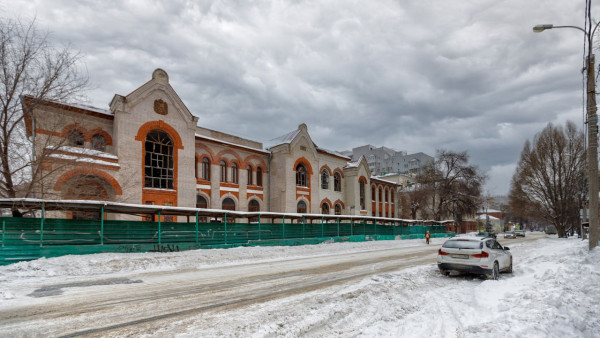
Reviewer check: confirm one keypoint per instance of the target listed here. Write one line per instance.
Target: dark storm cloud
(412, 75)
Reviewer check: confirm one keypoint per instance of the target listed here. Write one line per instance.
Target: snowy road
(345, 289)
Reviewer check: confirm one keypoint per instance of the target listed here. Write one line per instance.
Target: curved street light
(592, 131)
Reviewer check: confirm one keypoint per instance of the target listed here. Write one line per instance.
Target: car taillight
(442, 253)
(483, 254)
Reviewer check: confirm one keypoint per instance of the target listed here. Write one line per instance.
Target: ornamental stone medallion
(161, 107)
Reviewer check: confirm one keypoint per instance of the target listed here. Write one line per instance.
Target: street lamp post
(592, 152)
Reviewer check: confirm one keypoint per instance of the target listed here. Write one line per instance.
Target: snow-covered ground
(554, 291)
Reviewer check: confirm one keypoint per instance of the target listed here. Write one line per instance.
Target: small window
(301, 207)
(234, 173)
(228, 204)
(361, 185)
(301, 176)
(249, 169)
(324, 179)
(223, 171)
(259, 177)
(325, 209)
(206, 169)
(76, 138)
(337, 182)
(253, 206)
(201, 202)
(98, 142)
(338, 209)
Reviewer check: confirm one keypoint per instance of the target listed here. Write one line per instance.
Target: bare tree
(454, 185)
(30, 66)
(549, 181)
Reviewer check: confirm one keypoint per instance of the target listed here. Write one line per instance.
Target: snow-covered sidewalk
(554, 291)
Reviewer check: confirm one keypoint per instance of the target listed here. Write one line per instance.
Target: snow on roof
(482, 216)
(284, 139)
(89, 152)
(230, 143)
(332, 152)
(79, 159)
(90, 108)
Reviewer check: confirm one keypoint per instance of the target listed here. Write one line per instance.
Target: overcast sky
(413, 75)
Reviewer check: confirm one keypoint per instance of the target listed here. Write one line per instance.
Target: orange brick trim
(326, 167)
(339, 171)
(88, 172)
(229, 185)
(221, 154)
(234, 196)
(74, 126)
(160, 125)
(306, 164)
(99, 131)
(262, 164)
(50, 160)
(31, 101)
(231, 193)
(363, 179)
(306, 200)
(209, 153)
(340, 203)
(326, 200)
(47, 132)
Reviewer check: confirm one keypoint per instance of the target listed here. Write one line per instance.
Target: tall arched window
(201, 202)
(206, 169)
(338, 209)
(158, 162)
(259, 176)
(98, 142)
(253, 206)
(249, 174)
(223, 171)
(373, 193)
(234, 173)
(380, 195)
(301, 176)
(386, 195)
(325, 209)
(361, 185)
(324, 179)
(301, 207)
(228, 204)
(337, 182)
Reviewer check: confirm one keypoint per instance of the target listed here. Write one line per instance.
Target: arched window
(337, 182)
(301, 176)
(380, 195)
(249, 174)
(223, 171)
(361, 185)
(259, 176)
(392, 197)
(373, 192)
(201, 202)
(253, 206)
(234, 173)
(324, 179)
(98, 142)
(158, 162)
(228, 204)
(301, 207)
(338, 209)
(76, 138)
(206, 169)
(386, 195)
(325, 209)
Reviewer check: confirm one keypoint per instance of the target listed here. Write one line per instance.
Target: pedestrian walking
(427, 236)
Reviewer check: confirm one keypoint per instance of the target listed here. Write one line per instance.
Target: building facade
(147, 148)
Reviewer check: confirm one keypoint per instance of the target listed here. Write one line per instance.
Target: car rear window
(463, 244)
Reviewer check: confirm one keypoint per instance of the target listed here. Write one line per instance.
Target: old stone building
(147, 148)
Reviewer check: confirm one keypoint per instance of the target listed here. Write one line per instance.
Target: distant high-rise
(383, 160)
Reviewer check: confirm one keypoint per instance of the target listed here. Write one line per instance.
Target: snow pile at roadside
(553, 292)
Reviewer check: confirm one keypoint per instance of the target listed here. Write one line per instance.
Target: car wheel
(495, 272)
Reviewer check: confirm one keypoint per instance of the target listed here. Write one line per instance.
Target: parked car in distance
(474, 255)
(486, 234)
(550, 230)
(520, 233)
(510, 234)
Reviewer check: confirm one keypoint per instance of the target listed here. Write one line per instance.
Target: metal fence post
(42, 224)
(352, 227)
(3, 231)
(364, 227)
(102, 226)
(338, 227)
(303, 222)
(159, 234)
(225, 228)
(283, 228)
(259, 236)
(196, 227)
(322, 226)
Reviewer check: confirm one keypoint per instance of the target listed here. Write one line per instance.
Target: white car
(476, 255)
